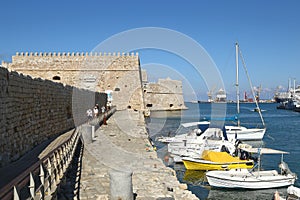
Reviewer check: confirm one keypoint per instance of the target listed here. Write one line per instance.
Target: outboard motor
(285, 170)
(224, 149)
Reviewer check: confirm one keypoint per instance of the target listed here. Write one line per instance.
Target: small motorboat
(250, 179)
(213, 160)
(195, 137)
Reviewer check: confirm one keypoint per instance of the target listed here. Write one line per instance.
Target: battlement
(73, 54)
(49, 61)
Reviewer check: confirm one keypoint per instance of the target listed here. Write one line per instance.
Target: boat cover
(219, 157)
(264, 151)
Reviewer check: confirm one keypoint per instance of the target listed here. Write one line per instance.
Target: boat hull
(246, 180)
(209, 165)
(246, 134)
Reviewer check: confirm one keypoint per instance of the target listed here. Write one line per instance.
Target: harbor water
(283, 133)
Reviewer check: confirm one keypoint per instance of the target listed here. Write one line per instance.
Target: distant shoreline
(241, 102)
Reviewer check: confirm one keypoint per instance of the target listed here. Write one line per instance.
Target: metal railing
(41, 179)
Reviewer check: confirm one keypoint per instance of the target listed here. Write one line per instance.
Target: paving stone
(129, 150)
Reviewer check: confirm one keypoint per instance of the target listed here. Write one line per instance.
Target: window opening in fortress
(117, 89)
(56, 78)
(129, 107)
(171, 105)
(149, 105)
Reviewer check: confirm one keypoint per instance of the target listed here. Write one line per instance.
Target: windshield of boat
(197, 127)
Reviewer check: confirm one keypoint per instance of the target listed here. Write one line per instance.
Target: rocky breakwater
(123, 146)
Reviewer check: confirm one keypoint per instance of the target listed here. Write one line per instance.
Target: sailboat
(250, 179)
(239, 132)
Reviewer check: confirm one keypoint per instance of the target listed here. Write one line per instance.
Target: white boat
(221, 96)
(289, 100)
(243, 133)
(210, 139)
(250, 179)
(194, 140)
(239, 132)
(186, 131)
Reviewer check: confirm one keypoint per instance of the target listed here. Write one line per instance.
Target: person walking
(96, 111)
(89, 114)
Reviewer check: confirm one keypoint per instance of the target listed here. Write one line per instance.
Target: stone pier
(123, 145)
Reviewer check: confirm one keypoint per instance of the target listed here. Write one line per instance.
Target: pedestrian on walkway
(102, 109)
(96, 111)
(89, 114)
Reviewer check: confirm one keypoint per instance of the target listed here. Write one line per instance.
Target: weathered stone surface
(128, 149)
(34, 110)
(119, 74)
(96, 72)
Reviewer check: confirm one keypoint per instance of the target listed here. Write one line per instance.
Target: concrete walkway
(123, 145)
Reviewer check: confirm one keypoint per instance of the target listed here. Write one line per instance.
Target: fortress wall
(74, 61)
(164, 95)
(93, 71)
(34, 110)
(173, 86)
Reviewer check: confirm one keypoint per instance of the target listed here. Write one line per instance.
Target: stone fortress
(46, 94)
(116, 73)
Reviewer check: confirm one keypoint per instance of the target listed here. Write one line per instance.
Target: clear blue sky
(268, 32)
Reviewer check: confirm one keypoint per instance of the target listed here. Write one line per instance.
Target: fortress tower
(118, 73)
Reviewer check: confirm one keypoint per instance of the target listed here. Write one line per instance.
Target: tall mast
(294, 87)
(289, 85)
(249, 80)
(237, 81)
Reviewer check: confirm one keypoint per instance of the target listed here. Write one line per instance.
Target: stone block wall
(166, 94)
(34, 110)
(99, 72)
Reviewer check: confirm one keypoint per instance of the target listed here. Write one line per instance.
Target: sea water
(283, 133)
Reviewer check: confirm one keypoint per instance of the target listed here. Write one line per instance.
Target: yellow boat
(212, 160)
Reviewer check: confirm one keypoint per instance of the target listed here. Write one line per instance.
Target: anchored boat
(240, 132)
(250, 179)
(195, 141)
(213, 160)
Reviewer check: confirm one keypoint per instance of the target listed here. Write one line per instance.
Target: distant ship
(289, 100)
(221, 96)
